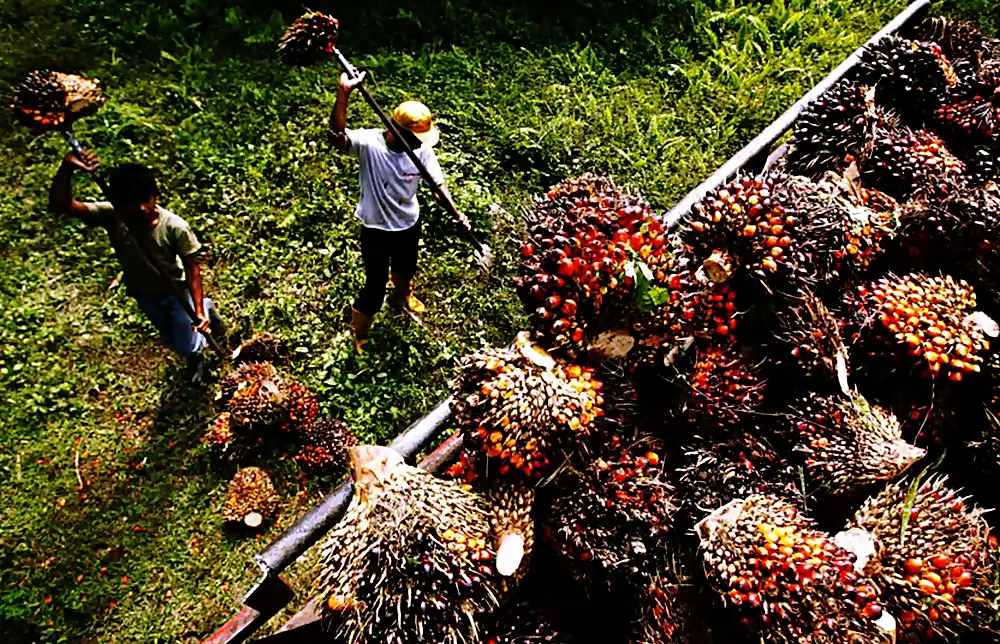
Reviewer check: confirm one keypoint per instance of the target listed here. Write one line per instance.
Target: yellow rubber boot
(360, 324)
(403, 291)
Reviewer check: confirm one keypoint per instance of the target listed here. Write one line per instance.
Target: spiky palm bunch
(521, 409)
(929, 318)
(324, 445)
(609, 522)
(252, 498)
(259, 347)
(664, 606)
(957, 39)
(930, 557)
(518, 622)
(908, 163)
(908, 75)
(785, 580)
(590, 248)
(810, 343)
(312, 38)
(48, 100)
(722, 388)
(848, 444)
(257, 396)
(412, 560)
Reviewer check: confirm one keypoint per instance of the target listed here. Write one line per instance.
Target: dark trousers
(381, 249)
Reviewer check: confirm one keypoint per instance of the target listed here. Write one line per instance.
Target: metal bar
(779, 126)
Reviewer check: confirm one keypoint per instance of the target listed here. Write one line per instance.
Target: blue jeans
(170, 319)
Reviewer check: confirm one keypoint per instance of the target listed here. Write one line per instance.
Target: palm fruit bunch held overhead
(609, 522)
(251, 498)
(412, 560)
(785, 580)
(930, 557)
(47, 100)
(848, 444)
(312, 38)
(589, 247)
(930, 318)
(521, 409)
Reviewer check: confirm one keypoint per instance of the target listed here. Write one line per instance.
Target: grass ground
(655, 93)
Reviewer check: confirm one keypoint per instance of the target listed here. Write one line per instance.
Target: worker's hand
(347, 84)
(89, 163)
(202, 324)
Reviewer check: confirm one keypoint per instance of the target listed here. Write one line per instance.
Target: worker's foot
(359, 345)
(360, 325)
(413, 304)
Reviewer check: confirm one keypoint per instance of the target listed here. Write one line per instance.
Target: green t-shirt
(171, 239)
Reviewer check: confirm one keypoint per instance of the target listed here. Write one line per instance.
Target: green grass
(656, 94)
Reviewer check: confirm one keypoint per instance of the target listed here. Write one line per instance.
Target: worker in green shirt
(134, 195)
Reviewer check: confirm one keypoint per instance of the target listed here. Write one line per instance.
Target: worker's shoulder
(171, 219)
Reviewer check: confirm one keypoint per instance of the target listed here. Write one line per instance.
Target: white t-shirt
(389, 180)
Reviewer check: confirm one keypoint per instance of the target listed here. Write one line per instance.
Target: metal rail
(272, 594)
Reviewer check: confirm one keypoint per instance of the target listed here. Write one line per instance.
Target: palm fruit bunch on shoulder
(809, 344)
(841, 236)
(721, 388)
(907, 163)
(717, 471)
(835, 129)
(412, 560)
(609, 522)
(745, 226)
(259, 347)
(932, 319)
(324, 445)
(47, 100)
(929, 553)
(958, 39)
(521, 409)
(784, 580)
(519, 622)
(312, 38)
(251, 498)
(908, 74)
(577, 277)
(848, 444)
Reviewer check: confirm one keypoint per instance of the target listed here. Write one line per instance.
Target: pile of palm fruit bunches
(753, 426)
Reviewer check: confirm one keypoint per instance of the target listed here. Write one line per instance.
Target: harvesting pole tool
(313, 38)
(52, 101)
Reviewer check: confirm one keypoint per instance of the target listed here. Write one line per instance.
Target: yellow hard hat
(414, 117)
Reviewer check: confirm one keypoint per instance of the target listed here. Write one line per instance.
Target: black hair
(132, 183)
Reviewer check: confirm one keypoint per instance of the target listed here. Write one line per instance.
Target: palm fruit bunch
(412, 560)
(580, 265)
(810, 343)
(299, 404)
(233, 442)
(745, 225)
(930, 318)
(518, 622)
(908, 74)
(324, 445)
(48, 100)
(785, 580)
(609, 522)
(512, 527)
(847, 443)
(521, 408)
(256, 395)
(961, 230)
(930, 557)
(715, 472)
(972, 110)
(907, 163)
(312, 38)
(957, 39)
(664, 607)
(259, 347)
(835, 129)
(721, 388)
(251, 498)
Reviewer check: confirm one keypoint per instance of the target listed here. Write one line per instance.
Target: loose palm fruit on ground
(589, 247)
(324, 445)
(930, 558)
(909, 163)
(252, 498)
(848, 444)
(785, 580)
(908, 74)
(717, 471)
(48, 100)
(312, 38)
(929, 318)
(609, 522)
(412, 560)
(522, 410)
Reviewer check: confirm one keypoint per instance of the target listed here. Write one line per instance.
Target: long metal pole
(779, 126)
